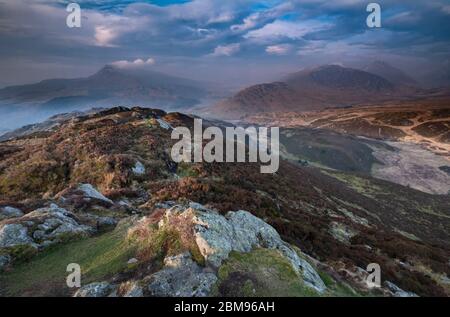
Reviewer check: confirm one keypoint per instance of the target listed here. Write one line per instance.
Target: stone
(12, 235)
(10, 212)
(90, 192)
(101, 289)
(42, 228)
(132, 261)
(138, 169)
(217, 236)
(397, 291)
(181, 277)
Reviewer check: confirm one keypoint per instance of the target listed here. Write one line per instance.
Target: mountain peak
(391, 73)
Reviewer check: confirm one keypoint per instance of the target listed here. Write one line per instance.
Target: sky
(232, 42)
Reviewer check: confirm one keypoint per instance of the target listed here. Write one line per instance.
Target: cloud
(227, 50)
(280, 49)
(285, 30)
(180, 33)
(136, 63)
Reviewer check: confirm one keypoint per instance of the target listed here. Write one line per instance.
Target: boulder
(90, 192)
(41, 228)
(138, 169)
(83, 196)
(101, 289)
(10, 212)
(217, 236)
(181, 277)
(12, 235)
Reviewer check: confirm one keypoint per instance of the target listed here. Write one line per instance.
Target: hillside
(101, 190)
(311, 89)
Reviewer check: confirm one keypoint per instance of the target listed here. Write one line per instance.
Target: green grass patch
(260, 273)
(99, 257)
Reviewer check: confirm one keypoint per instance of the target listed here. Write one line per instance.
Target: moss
(262, 272)
(100, 258)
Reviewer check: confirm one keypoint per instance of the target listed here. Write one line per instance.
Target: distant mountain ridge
(111, 85)
(391, 73)
(312, 89)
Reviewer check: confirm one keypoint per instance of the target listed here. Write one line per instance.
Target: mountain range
(318, 88)
(111, 85)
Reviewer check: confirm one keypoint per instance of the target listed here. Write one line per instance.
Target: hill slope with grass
(101, 190)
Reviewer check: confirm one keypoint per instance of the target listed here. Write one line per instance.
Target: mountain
(391, 73)
(311, 89)
(101, 190)
(110, 85)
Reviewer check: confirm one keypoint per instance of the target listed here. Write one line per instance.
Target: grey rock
(42, 228)
(138, 168)
(12, 235)
(90, 192)
(101, 289)
(10, 212)
(181, 277)
(216, 236)
(106, 222)
(132, 261)
(397, 291)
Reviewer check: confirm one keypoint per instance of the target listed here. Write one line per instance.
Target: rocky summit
(101, 191)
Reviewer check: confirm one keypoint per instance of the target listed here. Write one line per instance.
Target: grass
(359, 184)
(260, 273)
(99, 257)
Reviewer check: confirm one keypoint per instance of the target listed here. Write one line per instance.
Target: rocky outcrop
(216, 236)
(7, 212)
(181, 277)
(101, 289)
(41, 228)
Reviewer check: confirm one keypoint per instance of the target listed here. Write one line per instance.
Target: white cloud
(227, 50)
(136, 63)
(284, 29)
(280, 49)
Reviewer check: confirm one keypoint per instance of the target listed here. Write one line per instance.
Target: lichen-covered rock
(101, 289)
(12, 235)
(216, 236)
(240, 231)
(10, 212)
(181, 277)
(41, 228)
